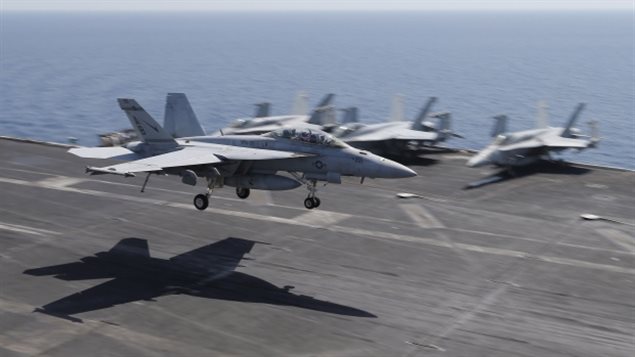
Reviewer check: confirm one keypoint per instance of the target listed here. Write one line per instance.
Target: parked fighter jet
(240, 161)
(322, 115)
(206, 272)
(398, 137)
(527, 146)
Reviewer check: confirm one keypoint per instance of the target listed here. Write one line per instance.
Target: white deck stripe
(347, 230)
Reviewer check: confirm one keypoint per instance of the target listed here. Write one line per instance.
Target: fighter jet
(240, 161)
(205, 272)
(397, 137)
(528, 146)
(323, 115)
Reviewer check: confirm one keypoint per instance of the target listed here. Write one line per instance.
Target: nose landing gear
(201, 201)
(312, 202)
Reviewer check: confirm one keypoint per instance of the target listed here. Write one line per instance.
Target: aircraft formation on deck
(253, 152)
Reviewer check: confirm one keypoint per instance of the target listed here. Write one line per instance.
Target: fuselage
(324, 159)
(501, 151)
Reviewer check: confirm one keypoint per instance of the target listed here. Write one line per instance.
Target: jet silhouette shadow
(542, 166)
(206, 272)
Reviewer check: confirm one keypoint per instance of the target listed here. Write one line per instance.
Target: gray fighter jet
(240, 161)
(397, 137)
(322, 115)
(524, 147)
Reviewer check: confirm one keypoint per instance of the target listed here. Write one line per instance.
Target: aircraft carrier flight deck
(505, 268)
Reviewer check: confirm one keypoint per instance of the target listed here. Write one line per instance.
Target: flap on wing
(188, 156)
(116, 152)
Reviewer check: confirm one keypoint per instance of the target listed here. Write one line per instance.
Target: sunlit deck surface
(503, 269)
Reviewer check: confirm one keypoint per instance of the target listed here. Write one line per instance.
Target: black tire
(308, 203)
(201, 202)
(316, 202)
(242, 192)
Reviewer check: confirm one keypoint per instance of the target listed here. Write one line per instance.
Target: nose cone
(391, 169)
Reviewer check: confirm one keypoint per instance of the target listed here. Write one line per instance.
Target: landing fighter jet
(240, 161)
(322, 115)
(205, 272)
(398, 137)
(528, 146)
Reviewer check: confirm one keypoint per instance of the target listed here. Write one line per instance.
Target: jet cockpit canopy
(306, 135)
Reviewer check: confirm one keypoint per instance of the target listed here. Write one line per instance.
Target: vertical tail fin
(350, 115)
(300, 104)
(572, 119)
(262, 110)
(595, 133)
(179, 120)
(500, 125)
(417, 124)
(542, 117)
(445, 129)
(324, 113)
(397, 111)
(147, 128)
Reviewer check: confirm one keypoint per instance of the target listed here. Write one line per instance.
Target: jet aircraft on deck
(524, 147)
(240, 161)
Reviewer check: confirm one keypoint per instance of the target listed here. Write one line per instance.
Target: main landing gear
(242, 192)
(201, 201)
(311, 201)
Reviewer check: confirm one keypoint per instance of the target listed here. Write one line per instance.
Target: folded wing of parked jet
(393, 134)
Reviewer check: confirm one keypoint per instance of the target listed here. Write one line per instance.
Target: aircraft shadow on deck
(206, 272)
(540, 167)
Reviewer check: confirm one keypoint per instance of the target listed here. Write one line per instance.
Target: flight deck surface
(503, 269)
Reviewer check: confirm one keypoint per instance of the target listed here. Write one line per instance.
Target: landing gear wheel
(242, 192)
(201, 201)
(316, 202)
(309, 203)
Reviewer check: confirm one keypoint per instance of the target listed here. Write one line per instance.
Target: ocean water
(61, 73)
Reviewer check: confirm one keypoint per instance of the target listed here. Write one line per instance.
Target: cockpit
(306, 135)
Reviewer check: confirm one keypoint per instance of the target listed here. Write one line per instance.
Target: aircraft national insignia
(318, 165)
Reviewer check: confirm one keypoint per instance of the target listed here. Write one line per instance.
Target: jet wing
(401, 134)
(239, 153)
(257, 129)
(111, 293)
(527, 144)
(560, 142)
(116, 153)
(187, 156)
(554, 142)
(201, 154)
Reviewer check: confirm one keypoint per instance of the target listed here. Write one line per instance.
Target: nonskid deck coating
(508, 268)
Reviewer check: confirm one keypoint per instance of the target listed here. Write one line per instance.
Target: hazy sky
(310, 5)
